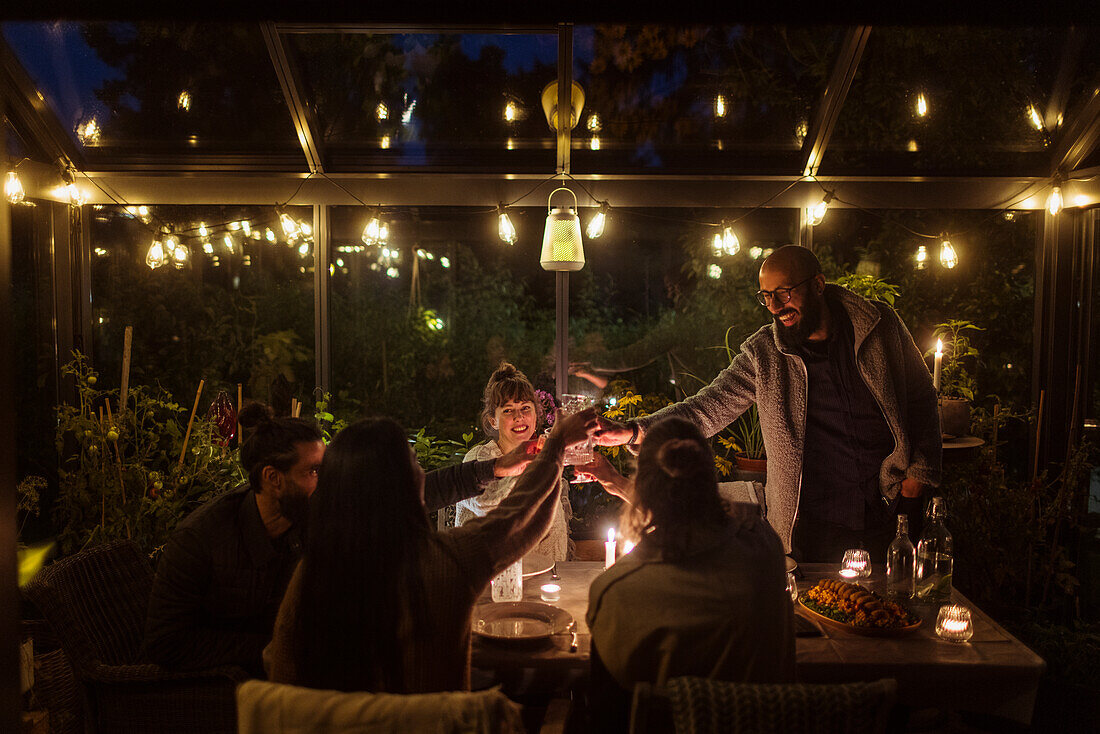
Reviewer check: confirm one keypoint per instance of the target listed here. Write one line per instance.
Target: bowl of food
(857, 609)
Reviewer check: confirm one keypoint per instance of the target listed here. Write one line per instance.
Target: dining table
(992, 674)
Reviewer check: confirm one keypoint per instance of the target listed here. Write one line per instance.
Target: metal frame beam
(322, 247)
(1080, 137)
(383, 28)
(27, 105)
(1059, 94)
(832, 98)
(565, 133)
(290, 79)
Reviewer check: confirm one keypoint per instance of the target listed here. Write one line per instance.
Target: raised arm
(923, 426)
(451, 484)
(524, 516)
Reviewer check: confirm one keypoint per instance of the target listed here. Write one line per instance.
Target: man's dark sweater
(221, 578)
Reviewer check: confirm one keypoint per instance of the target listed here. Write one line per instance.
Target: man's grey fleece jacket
(775, 379)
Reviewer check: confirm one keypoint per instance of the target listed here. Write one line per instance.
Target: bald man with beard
(847, 409)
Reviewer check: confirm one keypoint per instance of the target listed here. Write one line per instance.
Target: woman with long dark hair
(702, 594)
(380, 601)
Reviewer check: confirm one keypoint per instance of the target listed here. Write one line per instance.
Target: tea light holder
(856, 564)
(551, 592)
(953, 623)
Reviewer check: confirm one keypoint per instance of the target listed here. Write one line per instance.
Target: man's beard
(294, 505)
(808, 322)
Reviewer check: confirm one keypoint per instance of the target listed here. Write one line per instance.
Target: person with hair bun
(511, 415)
(704, 591)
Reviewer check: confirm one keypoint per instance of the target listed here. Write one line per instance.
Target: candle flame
(939, 346)
(611, 535)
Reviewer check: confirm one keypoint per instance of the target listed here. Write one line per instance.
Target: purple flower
(548, 405)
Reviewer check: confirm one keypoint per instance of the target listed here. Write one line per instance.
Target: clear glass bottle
(508, 585)
(935, 558)
(900, 564)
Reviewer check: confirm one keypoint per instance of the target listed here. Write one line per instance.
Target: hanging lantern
(562, 247)
(13, 188)
(155, 257)
(948, 257)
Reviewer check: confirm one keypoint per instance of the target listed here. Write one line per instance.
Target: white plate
(520, 621)
(536, 563)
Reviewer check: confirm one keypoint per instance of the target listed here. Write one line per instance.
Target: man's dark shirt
(221, 578)
(847, 437)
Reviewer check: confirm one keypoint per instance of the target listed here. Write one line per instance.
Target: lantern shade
(562, 248)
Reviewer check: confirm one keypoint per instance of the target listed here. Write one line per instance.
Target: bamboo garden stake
(187, 435)
(240, 438)
(124, 391)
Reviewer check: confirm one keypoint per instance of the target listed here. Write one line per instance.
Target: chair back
(703, 706)
(96, 602)
(275, 708)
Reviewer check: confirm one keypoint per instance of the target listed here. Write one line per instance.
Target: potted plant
(956, 382)
(747, 442)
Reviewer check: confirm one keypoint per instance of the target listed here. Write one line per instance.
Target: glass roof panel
(1086, 77)
(667, 99)
(158, 88)
(948, 100)
(431, 100)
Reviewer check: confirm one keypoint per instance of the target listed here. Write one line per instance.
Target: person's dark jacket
(221, 577)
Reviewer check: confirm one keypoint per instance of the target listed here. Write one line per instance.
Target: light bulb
(155, 257)
(228, 242)
(207, 247)
(445, 262)
(599, 221)
(143, 211)
(76, 196)
(181, 255)
(594, 124)
(203, 231)
(303, 250)
(717, 243)
(234, 226)
(384, 143)
(714, 271)
(720, 106)
(407, 115)
(816, 213)
(505, 229)
(13, 188)
(1033, 116)
(376, 231)
(184, 100)
(755, 252)
(307, 229)
(269, 235)
(801, 131)
(510, 111)
(948, 257)
(594, 143)
(246, 226)
(922, 257)
(382, 112)
(1054, 201)
(88, 132)
(922, 105)
(290, 227)
(384, 236)
(730, 243)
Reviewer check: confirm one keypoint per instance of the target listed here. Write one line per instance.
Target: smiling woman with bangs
(511, 414)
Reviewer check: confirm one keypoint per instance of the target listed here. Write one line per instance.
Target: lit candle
(551, 592)
(849, 573)
(939, 365)
(609, 549)
(953, 623)
(856, 564)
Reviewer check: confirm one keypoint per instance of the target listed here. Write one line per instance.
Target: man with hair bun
(847, 410)
(224, 570)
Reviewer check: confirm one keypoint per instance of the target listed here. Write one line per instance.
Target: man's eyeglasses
(782, 295)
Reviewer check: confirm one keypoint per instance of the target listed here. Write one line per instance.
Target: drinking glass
(580, 453)
(508, 585)
(954, 624)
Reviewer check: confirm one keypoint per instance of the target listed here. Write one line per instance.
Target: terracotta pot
(955, 416)
(746, 464)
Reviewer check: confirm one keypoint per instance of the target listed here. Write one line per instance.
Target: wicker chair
(96, 601)
(702, 706)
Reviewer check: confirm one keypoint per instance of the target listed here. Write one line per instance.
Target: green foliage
(278, 353)
(435, 453)
(747, 433)
(955, 379)
(869, 286)
(121, 477)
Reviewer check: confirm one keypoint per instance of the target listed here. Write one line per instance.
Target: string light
(1054, 201)
(154, 258)
(88, 132)
(382, 112)
(228, 242)
(948, 257)
(207, 247)
(376, 230)
(246, 227)
(76, 196)
(13, 188)
(290, 227)
(599, 221)
(184, 101)
(755, 252)
(922, 257)
(181, 256)
(384, 143)
(406, 116)
(1034, 117)
(203, 231)
(594, 143)
(510, 111)
(720, 106)
(714, 271)
(505, 229)
(816, 213)
(922, 105)
(594, 125)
